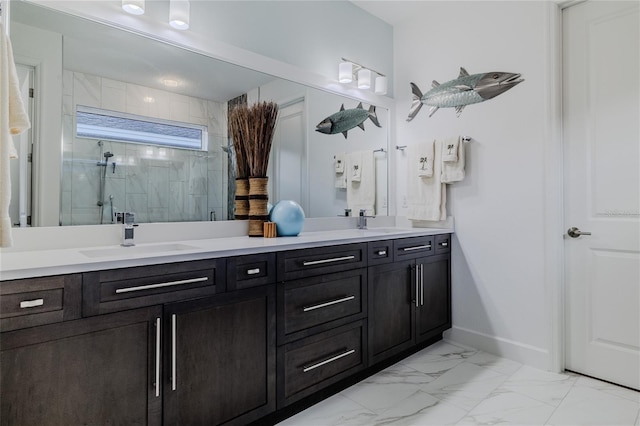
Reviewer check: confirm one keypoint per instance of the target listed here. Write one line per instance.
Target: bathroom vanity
(218, 336)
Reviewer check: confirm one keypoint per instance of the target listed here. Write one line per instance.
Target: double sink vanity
(214, 331)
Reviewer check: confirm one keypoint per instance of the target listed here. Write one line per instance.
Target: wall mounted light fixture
(179, 11)
(349, 70)
(134, 7)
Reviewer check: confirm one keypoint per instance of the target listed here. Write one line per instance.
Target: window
(97, 123)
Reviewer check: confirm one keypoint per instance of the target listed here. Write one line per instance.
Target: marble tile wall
(159, 184)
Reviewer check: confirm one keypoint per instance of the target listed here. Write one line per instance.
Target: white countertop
(45, 262)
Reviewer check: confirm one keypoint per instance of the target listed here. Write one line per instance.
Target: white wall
(499, 278)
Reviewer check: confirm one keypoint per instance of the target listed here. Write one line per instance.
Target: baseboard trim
(516, 351)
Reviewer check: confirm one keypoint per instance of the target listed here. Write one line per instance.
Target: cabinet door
(220, 363)
(434, 296)
(391, 309)
(94, 371)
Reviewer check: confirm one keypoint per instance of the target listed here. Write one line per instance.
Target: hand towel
(13, 120)
(450, 150)
(426, 196)
(339, 160)
(361, 194)
(340, 179)
(453, 171)
(355, 165)
(424, 159)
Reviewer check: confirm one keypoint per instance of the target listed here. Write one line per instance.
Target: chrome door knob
(574, 232)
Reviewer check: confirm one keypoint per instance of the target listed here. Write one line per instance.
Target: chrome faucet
(128, 221)
(362, 219)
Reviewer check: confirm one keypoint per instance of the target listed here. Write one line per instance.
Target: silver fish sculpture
(464, 90)
(347, 119)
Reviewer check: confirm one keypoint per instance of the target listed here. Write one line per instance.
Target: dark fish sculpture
(346, 119)
(464, 90)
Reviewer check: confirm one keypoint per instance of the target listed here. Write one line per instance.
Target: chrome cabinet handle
(444, 244)
(31, 303)
(382, 253)
(160, 285)
(421, 285)
(428, 246)
(335, 259)
(157, 377)
(253, 271)
(173, 351)
(574, 232)
(327, 361)
(417, 282)
(324, 305)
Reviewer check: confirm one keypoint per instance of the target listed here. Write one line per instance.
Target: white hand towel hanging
(355, 166)
(340, 177)
(424, 159)
(339, 161)
(13, 121)
(453, 171)
(426, 196)
(361, 194)
(450, 150)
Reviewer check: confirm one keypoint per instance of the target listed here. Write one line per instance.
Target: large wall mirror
(126, 122)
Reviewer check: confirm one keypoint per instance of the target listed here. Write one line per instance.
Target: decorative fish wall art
(464, 90)
(347, 119)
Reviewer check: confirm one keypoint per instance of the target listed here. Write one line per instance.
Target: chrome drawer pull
(151, 286)
(382, 252)
(157, 378)
(31, 303)
(335, 259)
(428, 246)
(444, 244)
(327, 361)
(324, 305)
(253, 271)
(174, 343)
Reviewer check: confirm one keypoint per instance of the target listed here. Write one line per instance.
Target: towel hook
(379, 150)
(400, 147)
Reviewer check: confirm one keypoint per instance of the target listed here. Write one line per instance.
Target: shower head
(108, 155)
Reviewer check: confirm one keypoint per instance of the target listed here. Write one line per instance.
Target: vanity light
(381, 85)
(345, 72)
(179, 14)
(364, 79)
(134, 7)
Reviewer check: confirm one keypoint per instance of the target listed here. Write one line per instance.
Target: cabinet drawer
(412, 248)
(296, 264)
(380, 252)
(38, 301)
(311, 364)
(119, 289)
(443, 243)
(315, 301)
(250, 271)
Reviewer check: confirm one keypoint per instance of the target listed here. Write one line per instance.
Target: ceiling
(394, 12)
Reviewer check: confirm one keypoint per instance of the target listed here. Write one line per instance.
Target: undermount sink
(136, 250)
(389, 230)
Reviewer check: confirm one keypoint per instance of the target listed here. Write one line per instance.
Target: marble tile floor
(450, 385)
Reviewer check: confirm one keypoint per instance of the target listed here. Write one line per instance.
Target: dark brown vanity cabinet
(409, 299)
(220, 362)
(98, 370)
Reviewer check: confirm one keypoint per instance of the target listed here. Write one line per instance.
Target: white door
(288, 156)
(602, 189)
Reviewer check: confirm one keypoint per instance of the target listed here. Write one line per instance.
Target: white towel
(424, 159)
(13, 120)
(339, 160)
(450, 150)
(355, 166)
(453, 171)
(340, 179)
(426, 196)
(361, 194)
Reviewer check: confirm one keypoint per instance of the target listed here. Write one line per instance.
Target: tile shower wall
(158, 184)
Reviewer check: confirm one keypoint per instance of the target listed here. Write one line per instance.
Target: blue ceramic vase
(288, 217)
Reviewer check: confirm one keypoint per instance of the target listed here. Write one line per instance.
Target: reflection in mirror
(144, 129)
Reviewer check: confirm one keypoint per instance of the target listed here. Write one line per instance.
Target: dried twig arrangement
(256, 126)
(238, 125)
